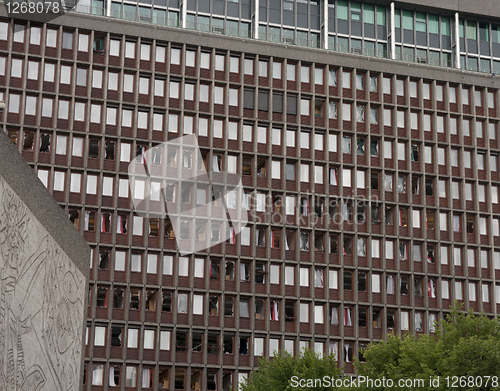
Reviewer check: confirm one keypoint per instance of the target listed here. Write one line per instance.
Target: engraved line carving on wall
(41, 304)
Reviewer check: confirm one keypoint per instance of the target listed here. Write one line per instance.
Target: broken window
(304, 241)
(244, 271)
(403, 251)
(166, 304)
(213, 305)
(289, 311)
(417, 290)
(116, 336)
(402, 183)
(360, 142)
(470, 224)
(169, 229)
(135, 299)
(259, 309)
(374, 148)
(150, 300)
(214, 270)
(374, 180)
(347, 246)
(361, 213)
(45, 143)
(415, 186)
(229, 306)
(404, 285)
(260, 273)
(102, 297)
(89, 221)
(229, 270)
(118, 298)
(261, 237)
(415, 153)
(213, 343)
(318, 243)
(74, 217)
(106, 222)
(347, 281)
(104, 259)
(181, 341)
(110, 150)
(28, 141)
(333, 244)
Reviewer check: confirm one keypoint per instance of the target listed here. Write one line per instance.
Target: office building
(366, 135)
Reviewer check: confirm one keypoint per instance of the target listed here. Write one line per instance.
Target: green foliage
(467, 345)
(277, 374)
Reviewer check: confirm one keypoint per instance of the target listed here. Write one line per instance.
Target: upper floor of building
(453, 35)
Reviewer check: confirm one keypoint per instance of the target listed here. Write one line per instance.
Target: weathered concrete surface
(43, 284)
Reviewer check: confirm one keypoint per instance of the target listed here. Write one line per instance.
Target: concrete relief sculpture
(41, 304)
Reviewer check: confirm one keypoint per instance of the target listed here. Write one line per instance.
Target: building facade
(370, 176)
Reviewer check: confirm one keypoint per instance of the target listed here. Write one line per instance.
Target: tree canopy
(466, 346)
(279, 373)
(464, 354)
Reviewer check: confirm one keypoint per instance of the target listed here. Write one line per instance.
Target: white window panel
(164, 340)
(92, 184)
(333, 279)
(76, 181)
(133, 338)
(59, 178)
(198, 304)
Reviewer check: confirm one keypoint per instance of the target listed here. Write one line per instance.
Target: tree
(279, 373)
(467, 345)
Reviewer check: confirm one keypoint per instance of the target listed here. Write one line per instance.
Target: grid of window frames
(357, 27)
(373, 199)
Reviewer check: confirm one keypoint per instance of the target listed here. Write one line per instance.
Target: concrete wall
(43, 284)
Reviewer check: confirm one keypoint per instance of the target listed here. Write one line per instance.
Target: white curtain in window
(318, 278)
(305, 206)
(418, 322)
(390, 285)
(286, 244)
(112, 376)
(274, 311)
(304, 242)
(87, 219)
(432, 288)
(401, 184)
(334, 316)
(362, 247)
(456, 223)
(97, 373)
(121, 225)
(215, 164)
(388, 182)
(146, 377)
(242, 272)
(347, 317)
(333, 176)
